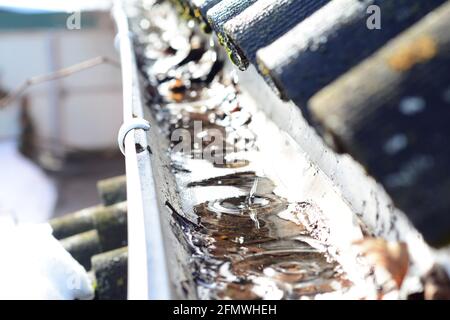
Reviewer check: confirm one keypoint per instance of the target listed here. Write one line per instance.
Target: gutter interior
(246, 213)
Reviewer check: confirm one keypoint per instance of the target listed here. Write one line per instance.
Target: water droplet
(396, 144)
(412, 105)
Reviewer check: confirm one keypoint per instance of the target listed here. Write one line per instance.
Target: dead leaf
(392, 256)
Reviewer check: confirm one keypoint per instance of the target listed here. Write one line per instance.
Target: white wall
(83, 111)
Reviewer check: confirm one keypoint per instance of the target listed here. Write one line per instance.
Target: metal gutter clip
(127, 126)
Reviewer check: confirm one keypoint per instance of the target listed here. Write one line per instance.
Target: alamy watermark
(374, 20)
(73, 21)
(210, 144)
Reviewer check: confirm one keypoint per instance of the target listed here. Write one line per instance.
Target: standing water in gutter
(246, 239)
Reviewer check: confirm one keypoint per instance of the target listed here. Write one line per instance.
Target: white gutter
(147, 265)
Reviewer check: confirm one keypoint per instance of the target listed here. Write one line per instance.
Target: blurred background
(58, 138)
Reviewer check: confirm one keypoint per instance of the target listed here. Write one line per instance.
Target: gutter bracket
(133, 124)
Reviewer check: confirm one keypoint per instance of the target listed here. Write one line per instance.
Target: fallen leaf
(392, 256)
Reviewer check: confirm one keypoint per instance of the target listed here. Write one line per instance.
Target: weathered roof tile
(332, 41)
(392, 112)
(262, 23)
(203, 6)
(225, 11)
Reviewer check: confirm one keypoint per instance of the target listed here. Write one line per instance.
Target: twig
(61, 73)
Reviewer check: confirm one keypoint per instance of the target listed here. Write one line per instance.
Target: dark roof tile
(332, 41)
(262, 23)
(203, 5)
(392, 113)
(225, 11)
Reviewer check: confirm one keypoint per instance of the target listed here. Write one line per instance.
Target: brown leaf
(392, 256)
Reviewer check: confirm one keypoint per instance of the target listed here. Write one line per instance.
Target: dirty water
(241, 247)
